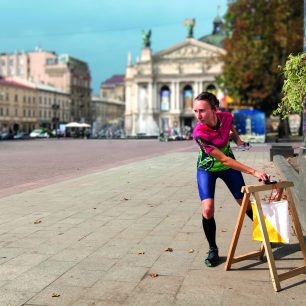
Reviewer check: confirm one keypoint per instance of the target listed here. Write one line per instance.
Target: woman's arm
(235, 136)
(232, 163)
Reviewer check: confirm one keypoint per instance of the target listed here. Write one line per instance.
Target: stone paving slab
(96, 239)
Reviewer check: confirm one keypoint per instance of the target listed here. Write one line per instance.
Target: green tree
(261, 34)
(294, 89)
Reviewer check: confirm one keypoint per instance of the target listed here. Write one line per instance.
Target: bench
(286, 151)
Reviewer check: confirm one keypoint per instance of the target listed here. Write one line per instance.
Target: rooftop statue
(146, 38)
(190, 24)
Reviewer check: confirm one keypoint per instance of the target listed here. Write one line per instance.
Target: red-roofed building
(26, 105)
(62, 71)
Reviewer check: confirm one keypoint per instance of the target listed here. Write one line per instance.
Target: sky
(100, 32)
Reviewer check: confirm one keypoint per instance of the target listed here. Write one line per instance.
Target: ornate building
(160, 87)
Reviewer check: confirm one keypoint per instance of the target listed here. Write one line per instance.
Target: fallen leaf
(223, 231)
(141, 253)
(94, 208)
(191, 251)
(55, 295)
(37, 221)
(125, 199)
(169, 250)
(153, 275)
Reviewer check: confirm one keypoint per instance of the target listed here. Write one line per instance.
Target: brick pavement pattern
(95, 240)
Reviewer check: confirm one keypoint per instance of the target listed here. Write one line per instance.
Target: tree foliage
(262, 33)
(294, 88)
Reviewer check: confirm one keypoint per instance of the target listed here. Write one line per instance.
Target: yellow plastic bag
(276, 217)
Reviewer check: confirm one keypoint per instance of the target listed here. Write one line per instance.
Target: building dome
(217, 36)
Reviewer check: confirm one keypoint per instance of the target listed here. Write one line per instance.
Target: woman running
(216, 160)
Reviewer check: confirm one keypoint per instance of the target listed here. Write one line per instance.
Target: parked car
(6, 135)
(22, 135)
(39, 133)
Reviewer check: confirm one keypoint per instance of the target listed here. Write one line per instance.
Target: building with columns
(160, 87)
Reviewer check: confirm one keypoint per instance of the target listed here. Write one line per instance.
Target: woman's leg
(206, 185)
(234, 181)
(208, 222)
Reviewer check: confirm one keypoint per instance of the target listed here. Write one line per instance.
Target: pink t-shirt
(214, 138)
(208, 139)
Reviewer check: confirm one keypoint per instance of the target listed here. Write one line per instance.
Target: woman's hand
(240, 142)
(261, 175)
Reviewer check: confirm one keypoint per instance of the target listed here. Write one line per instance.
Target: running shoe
(213, 258)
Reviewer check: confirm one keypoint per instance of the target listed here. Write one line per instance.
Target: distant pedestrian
(216, 160)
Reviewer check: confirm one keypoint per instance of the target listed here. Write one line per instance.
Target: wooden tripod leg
(237, 231)
(262, 251)
(268, 249)
(296, 223)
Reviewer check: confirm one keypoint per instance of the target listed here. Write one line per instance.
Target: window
(16, 111)
(187, 97)
(16, 98)
(165, 98)
(212, 89)
(51, 61)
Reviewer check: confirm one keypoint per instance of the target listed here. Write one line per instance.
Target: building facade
(160, 87)
(106, 113)
(61, 71)
(113, 88)
(26, 105)
(109, 107)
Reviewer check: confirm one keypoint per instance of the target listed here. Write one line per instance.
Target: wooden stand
(266, 247)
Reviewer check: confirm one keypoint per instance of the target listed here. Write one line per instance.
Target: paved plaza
(131, 234)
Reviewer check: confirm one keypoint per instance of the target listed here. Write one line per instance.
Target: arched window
(187, 97)
(212, 89)
(165, 98)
